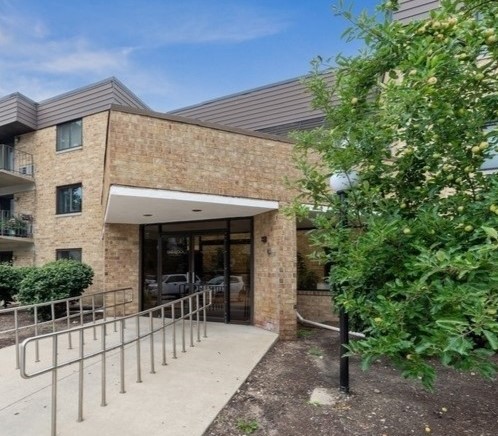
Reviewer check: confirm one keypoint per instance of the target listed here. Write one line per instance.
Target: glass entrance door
(178, 263)
(187, 262)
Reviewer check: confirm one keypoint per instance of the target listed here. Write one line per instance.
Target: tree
(417, 266)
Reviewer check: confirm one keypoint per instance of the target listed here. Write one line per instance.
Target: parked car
(172, 284)
(237, 287)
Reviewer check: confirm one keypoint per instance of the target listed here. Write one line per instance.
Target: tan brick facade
(129, 148)
(83, 165)
(316, 306)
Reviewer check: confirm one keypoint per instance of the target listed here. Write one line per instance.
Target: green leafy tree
(417, 265)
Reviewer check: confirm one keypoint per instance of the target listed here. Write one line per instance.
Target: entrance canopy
(131, 205)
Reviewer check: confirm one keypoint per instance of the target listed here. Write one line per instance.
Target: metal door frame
(191, 234)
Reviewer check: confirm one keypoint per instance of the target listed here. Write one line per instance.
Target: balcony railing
(17, 225)
(15, 161)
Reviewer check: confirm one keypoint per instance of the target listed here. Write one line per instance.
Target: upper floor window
(69, 199)
(491, 163)
(69, 135)
(70, 254)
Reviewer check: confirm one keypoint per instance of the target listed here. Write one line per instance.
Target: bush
(10, 278)
(55, 281)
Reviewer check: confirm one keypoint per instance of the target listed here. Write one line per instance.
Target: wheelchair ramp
(181, 398)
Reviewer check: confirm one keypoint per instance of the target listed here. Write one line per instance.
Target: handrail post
(16, 327)
(182, 313)
(197, 314)
(139, 368)
(52, 312)
(93, 318)
(70, 342)
(54, 386)
(103, 367)
(151, 325)
(163, 322)
(115, 310)
(174, 328)
(37, 345)
(122, 359)
(80, 376)
(191, 320)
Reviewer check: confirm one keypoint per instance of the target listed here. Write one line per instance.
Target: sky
(170, 53)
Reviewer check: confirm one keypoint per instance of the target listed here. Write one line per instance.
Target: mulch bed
(275, 400)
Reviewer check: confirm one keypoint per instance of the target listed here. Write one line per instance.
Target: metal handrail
(196, 303)
(75, 304)
(16, 161)
(18, 225)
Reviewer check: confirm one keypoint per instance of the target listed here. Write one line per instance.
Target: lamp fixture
(341, 182)
(196, 210)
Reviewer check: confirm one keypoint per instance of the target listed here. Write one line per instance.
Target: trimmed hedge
(55, 281)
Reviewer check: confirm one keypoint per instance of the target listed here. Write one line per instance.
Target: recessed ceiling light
(196, 210)
(147, 214)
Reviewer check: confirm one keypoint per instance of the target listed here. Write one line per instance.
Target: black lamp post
(340, 183)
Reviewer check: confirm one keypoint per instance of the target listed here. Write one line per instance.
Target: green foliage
(315, 351)
(417, 266)
(9, 282)
(55, 281)
(247, 426)
(304, 332)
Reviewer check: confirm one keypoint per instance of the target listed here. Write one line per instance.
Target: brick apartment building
(95, 175)
(196, 195)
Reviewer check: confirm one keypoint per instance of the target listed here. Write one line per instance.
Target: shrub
(55, 281)
(10, 278)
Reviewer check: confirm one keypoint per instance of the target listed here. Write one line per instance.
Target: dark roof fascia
(248, 91)
(196, 122)
(19, 96)
(112, 80)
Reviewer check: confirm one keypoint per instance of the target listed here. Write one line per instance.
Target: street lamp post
(341, 183)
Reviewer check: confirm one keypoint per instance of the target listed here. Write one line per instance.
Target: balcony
(16, 167)
(15, 229)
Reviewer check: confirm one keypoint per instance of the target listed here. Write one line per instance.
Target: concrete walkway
(181, 398)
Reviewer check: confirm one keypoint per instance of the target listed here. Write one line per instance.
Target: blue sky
(171, 53)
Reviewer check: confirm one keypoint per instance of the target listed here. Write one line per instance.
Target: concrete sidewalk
(181, 398)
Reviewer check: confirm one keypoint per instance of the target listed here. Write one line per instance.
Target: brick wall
(316, 306)
(122, 260)
(275, 273)
(160, 153)
(54, 169)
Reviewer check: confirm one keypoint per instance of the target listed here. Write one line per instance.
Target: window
(69, 135)
(69, 199)
(491, 163)
(70, 253)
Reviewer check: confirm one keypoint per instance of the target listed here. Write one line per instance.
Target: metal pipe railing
(16, 161)
(194, 303)
(74, 308)
(18, 225)
(326, 326)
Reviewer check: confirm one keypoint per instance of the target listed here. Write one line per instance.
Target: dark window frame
(59, 209)
(67, 129)
(60, 254)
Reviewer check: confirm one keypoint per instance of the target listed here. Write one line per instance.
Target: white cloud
(41, 57)
(229, 23)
